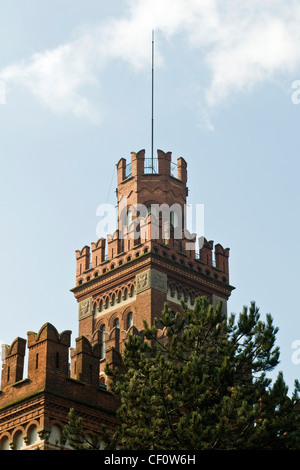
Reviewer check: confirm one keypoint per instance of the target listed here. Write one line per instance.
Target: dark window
(129, 320)
(102, 341)
(57, 360)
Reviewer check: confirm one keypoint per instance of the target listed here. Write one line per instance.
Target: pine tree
(201, 385)
(76, 438)
(204, 385)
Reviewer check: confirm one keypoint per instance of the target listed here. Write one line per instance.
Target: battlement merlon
(85, 361)
(13, 361)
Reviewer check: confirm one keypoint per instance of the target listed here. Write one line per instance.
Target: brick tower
(151, 258)
(121, 280)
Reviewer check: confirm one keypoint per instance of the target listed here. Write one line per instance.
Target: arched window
(32, 435)
(129, 320)
(125, 294)
(102, 329)
(18, 440)
(4, 443)
(153, 210)
(55, 435)
(129, 218)
(102, 380)
(116, 323)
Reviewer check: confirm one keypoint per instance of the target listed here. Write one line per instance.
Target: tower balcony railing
(174, 170)
(128, 170)
(151, 166)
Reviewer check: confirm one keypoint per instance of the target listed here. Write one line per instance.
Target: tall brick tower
(121, 280)
(151, 258)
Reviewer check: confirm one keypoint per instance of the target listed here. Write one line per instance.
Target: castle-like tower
(150, 259)
(121, 280)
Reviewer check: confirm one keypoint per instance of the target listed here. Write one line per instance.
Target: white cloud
(58, 78)
(242, 44)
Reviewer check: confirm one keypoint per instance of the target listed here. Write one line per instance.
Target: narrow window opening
(129, 320)
(103, 342)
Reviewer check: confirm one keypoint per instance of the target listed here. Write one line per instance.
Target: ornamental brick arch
(112, 299)
(131, 289)
(31, 423)
(171, 288)
(112, 318)
(100, 304)
(106, 301)
(94, 307)
(118, 295)
(100, 322)
(124, 292)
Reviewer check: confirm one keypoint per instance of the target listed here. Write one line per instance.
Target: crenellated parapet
(140, 165)
(49, 368)
(205, 258)
(34, 409)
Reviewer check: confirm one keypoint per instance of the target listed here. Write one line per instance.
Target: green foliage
(75, 437)
(204, 386)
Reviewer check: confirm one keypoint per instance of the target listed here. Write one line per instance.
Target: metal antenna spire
(152, 101)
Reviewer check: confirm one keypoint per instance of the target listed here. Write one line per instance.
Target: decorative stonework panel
(216, 300)
(85, 308)
(142, 281)
(158, 280)
(151, 279)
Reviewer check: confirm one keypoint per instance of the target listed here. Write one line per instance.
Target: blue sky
(77, 77)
